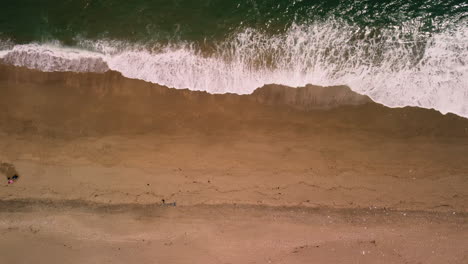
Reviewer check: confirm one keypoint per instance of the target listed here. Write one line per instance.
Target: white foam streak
(52, 57)
(397, 67)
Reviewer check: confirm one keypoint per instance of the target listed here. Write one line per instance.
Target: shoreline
(108, 139)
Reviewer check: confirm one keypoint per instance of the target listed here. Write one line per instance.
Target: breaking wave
(396, 66)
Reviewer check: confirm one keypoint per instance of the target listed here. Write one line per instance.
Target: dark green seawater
(200, 20)
(399, 52)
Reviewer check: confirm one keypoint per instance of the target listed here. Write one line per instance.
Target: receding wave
(396, 66)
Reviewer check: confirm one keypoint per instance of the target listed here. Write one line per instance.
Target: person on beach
(12, 179)
(9, 171)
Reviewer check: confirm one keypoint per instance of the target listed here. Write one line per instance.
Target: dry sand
(74, 232)
(308, 175)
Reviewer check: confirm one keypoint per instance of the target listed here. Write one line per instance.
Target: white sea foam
(397, 67)
(53, 57)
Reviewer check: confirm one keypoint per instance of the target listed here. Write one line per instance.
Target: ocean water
(398, 52)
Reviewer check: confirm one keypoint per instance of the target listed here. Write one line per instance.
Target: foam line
(396, 67)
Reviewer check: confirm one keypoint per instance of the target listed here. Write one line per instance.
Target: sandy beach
(77, 232)
(284, 175)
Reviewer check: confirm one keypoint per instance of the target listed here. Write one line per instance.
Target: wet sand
(255, 177)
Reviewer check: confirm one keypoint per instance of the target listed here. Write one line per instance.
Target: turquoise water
(398, 52)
